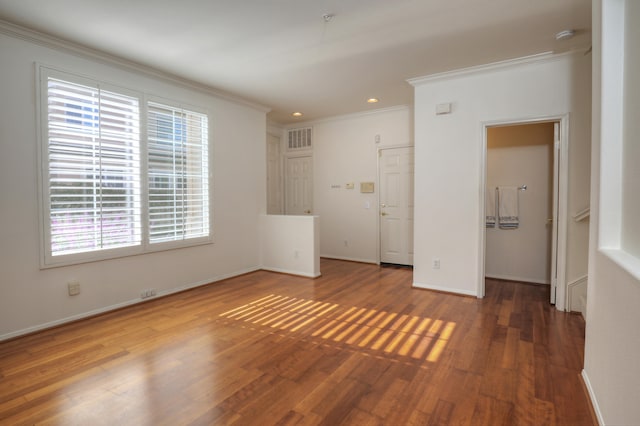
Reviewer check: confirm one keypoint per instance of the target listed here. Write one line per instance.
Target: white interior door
(554, 219)
(274, 176)
(299, 185)
(396, 172)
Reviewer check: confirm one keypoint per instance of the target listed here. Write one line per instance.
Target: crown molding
(478, 69)
(271, 123)
(85, 52)
(349, 116)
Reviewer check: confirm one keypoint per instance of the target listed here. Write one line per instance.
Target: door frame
(280, 182)
(378, 193)
(560, 216)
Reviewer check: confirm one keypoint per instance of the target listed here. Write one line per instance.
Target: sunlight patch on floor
(420, 338)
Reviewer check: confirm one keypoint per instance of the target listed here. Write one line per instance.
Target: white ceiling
(282, 53)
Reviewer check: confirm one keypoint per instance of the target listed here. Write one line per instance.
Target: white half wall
(291, 244)
(612, 341)
(31, 298)
(345, 151)
(449, 155)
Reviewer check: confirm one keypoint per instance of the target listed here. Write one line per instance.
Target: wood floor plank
(442, 413)
(357, 345)
(490, 411)
(524, 411)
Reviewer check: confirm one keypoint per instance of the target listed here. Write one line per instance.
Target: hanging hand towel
(490, 207)
(508, 207)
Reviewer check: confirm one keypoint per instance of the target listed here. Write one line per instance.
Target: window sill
(626, 261)
(99, 256)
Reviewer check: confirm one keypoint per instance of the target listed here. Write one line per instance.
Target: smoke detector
(327, 17)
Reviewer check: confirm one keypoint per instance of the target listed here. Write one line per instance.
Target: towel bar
(521, 188)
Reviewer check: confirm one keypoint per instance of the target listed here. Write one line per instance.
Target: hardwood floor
(355, 346)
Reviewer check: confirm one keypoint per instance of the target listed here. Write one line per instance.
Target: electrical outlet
(436, 263)
(73, 288)
(145, 294)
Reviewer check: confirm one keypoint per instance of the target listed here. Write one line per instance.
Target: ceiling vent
(299, 139)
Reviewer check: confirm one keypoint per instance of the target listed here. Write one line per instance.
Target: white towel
(508, 207)
(490, 207)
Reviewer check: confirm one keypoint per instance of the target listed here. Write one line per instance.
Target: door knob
(307, 211)
(384, 214)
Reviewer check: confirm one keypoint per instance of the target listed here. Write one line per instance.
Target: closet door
(396, 172)
(299, 185)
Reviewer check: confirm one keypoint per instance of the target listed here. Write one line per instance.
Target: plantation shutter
(178, 170)
(93, 154)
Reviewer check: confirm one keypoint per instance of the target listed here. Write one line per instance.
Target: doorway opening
(525, 171)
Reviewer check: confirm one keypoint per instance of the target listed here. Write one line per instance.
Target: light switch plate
(443, 108)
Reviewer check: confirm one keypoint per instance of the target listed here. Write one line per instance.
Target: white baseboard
(350, 259)
(445, 289)
(514, 278)
(575, 286)
(291, 272)
(592, 397)
(99, 311)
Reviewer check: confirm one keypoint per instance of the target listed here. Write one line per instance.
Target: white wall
(612, 344)
(344, 152)
(291, 244)
(449, 154)
(522, 155)
(31, 298)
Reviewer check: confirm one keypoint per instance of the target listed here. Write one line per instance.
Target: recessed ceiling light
(297, 114)
(565, 34)
(373, 100)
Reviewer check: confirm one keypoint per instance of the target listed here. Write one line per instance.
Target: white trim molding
(67, 46)
(350, 116)
(592, 397)
(126, 303)
(444, 289)
(519, 279)
(509, 63)
(582, 214)
(349, 259)
(572, 285)
(291, 272)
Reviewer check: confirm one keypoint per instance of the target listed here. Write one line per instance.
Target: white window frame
(43, 73)
(166, 245)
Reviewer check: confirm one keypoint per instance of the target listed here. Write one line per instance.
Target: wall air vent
(299, 139)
